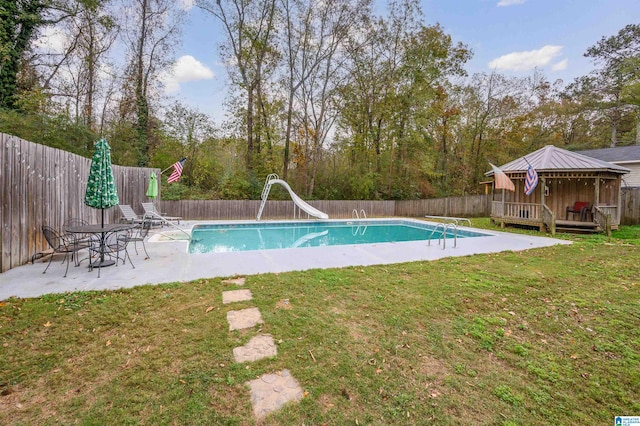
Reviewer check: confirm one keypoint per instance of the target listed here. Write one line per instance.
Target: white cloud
(186, 68)
(52, 40)
(187, 4)
(559, 66)
(510, 2)
(528, 60)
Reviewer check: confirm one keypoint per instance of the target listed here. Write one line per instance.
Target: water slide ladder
(298, 202)
(443, 236)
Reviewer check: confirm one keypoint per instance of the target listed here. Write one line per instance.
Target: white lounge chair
(128, 215)
(150, 209)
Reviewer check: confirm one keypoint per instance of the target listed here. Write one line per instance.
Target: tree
(18, 22)
(398, 70)
(616, 56)
(150, 33)
(75, 75)
(249, 53)
(191, 128)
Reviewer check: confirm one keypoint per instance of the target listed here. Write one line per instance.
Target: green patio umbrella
(101, 190)
(152, 189)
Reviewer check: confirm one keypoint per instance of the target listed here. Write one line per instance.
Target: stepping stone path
(245, 318)
(259, 347)
(270, 391)
(236, 296)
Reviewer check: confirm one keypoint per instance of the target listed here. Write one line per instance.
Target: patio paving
(170, 262)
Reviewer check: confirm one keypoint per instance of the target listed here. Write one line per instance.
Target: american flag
(531, 181)
(177, 170)
(502, 181)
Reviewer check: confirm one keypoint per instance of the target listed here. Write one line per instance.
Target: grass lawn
(546, 336)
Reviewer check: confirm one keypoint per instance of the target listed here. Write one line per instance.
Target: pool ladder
(443, 236)
(358, 229)
(355, 215)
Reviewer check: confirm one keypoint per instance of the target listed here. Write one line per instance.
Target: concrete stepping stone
(271, 391)
(257, 348)
(236, 281)
(244, 318)
(236, 296)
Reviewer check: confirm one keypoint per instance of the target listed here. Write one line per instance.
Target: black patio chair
(139, 234)
(76, 222)
(61, 243)
(114, 246)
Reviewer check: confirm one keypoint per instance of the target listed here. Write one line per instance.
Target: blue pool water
(278, 235)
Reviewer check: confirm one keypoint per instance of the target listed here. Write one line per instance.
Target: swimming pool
(222, 238)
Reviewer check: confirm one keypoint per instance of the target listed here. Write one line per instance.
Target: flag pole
(183, 158)
(165, 169)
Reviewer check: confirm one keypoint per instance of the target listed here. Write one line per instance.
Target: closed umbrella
(152, 189)
(101, 190)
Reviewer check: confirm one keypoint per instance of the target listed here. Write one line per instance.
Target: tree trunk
(250, 129)
(287, 139)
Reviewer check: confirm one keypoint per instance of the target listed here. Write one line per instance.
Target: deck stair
(577, 226)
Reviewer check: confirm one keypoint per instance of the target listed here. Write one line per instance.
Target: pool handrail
(449, 218)
(443, 235)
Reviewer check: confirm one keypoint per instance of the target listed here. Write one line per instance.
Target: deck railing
(549, 219)
(529, 211)
(602, 215)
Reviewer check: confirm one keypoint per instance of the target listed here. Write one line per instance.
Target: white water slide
(302, 205)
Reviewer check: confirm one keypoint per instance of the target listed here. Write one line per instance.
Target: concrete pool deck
(170, 261)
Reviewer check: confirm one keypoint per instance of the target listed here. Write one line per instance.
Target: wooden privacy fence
(40, 185)
(470, 206)
(274, 209)
(467, 206)
(630, 206)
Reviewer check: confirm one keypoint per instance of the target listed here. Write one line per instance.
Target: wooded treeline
(342, 103)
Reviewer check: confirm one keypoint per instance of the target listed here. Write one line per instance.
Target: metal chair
(62, 244)
(76, 222)
(113, 245)
(139, 234)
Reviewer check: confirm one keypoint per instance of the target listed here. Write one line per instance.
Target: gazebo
(568, 181)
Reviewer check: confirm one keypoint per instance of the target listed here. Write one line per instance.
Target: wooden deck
(560, 225)
(602, 218)
(576, 226)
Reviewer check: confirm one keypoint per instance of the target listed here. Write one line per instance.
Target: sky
(512, 37)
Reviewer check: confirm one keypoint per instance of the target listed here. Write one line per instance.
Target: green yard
(547, 336)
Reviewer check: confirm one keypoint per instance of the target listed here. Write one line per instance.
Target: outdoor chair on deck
(150, 209)
(139, 234)
(128, 215)
(73, 223)
(114, 246)
(579, 207)
(61, 243)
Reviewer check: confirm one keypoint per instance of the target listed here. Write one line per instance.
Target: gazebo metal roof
(554, 159)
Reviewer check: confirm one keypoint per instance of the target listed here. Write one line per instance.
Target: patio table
(100, 231)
